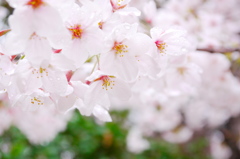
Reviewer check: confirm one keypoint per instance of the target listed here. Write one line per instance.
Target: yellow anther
(120, 48)
(35, 3)
(181, 70)
(161, 46)
(76, 31)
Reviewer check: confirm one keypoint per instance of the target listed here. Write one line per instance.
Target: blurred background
(86, 139)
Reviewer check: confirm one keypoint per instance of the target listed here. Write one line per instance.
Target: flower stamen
(120, 48)
(36, 100)
(161, 46)
(181, 70)
(76, 31)
(107, 82)
(41, 71)
(35, 3)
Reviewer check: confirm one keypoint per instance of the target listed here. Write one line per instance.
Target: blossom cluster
(214, 99)
(84, 55)
(93, 55)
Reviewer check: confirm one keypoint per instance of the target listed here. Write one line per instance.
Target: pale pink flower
(171, 41)
(102, 88)
(87, 37)
(218, 149)
(178, 135)
(127, 51)
(38, 28)
(135, 141)
(40, 126)
(46, 77)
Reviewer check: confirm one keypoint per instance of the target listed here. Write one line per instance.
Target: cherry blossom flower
(178, 135)
(102, 88)
(32, 23)
(171, 41)
(127, 49)
(219, 150)
(45, 77)
(87, 37)
(40, 126)
(135, 142)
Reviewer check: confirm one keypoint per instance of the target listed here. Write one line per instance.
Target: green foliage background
(84, 139)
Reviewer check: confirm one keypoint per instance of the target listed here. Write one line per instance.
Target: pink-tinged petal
(55, 82)
(156, 32)
(66, 103)
(33, 82)
(120, 90)
(139, 44)
(5, 80)
(83, 108)
(101, 114)
(142, 83)
(79, 88)
(105, 102)
(94, 94)
(40, 126)
(7, 116)
(128, 68)
(77, 52)
(124, 31)
(6, 65)
(36, 100)
(96, 74)
(108, 62)
(173, 33)
(81, 73)
(15, 90)
(11, 46)
(62, 62)
(61, 39)
(21, 21)
(135, 141)
(148, 65)
(47, 21)
(17, 4)
(93, 38)
(38, 50)
(129, 11)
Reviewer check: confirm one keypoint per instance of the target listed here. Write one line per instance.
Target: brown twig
(220, 50)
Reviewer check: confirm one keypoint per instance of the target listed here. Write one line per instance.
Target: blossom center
(76, 31)
(117, 6)
(107, 82)
(119, 2)
(41, 72)
(35, 3)
(120, 48)
(161, 46)
(100, 24)
(36, 101)
(181, 70)
(159, 107)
